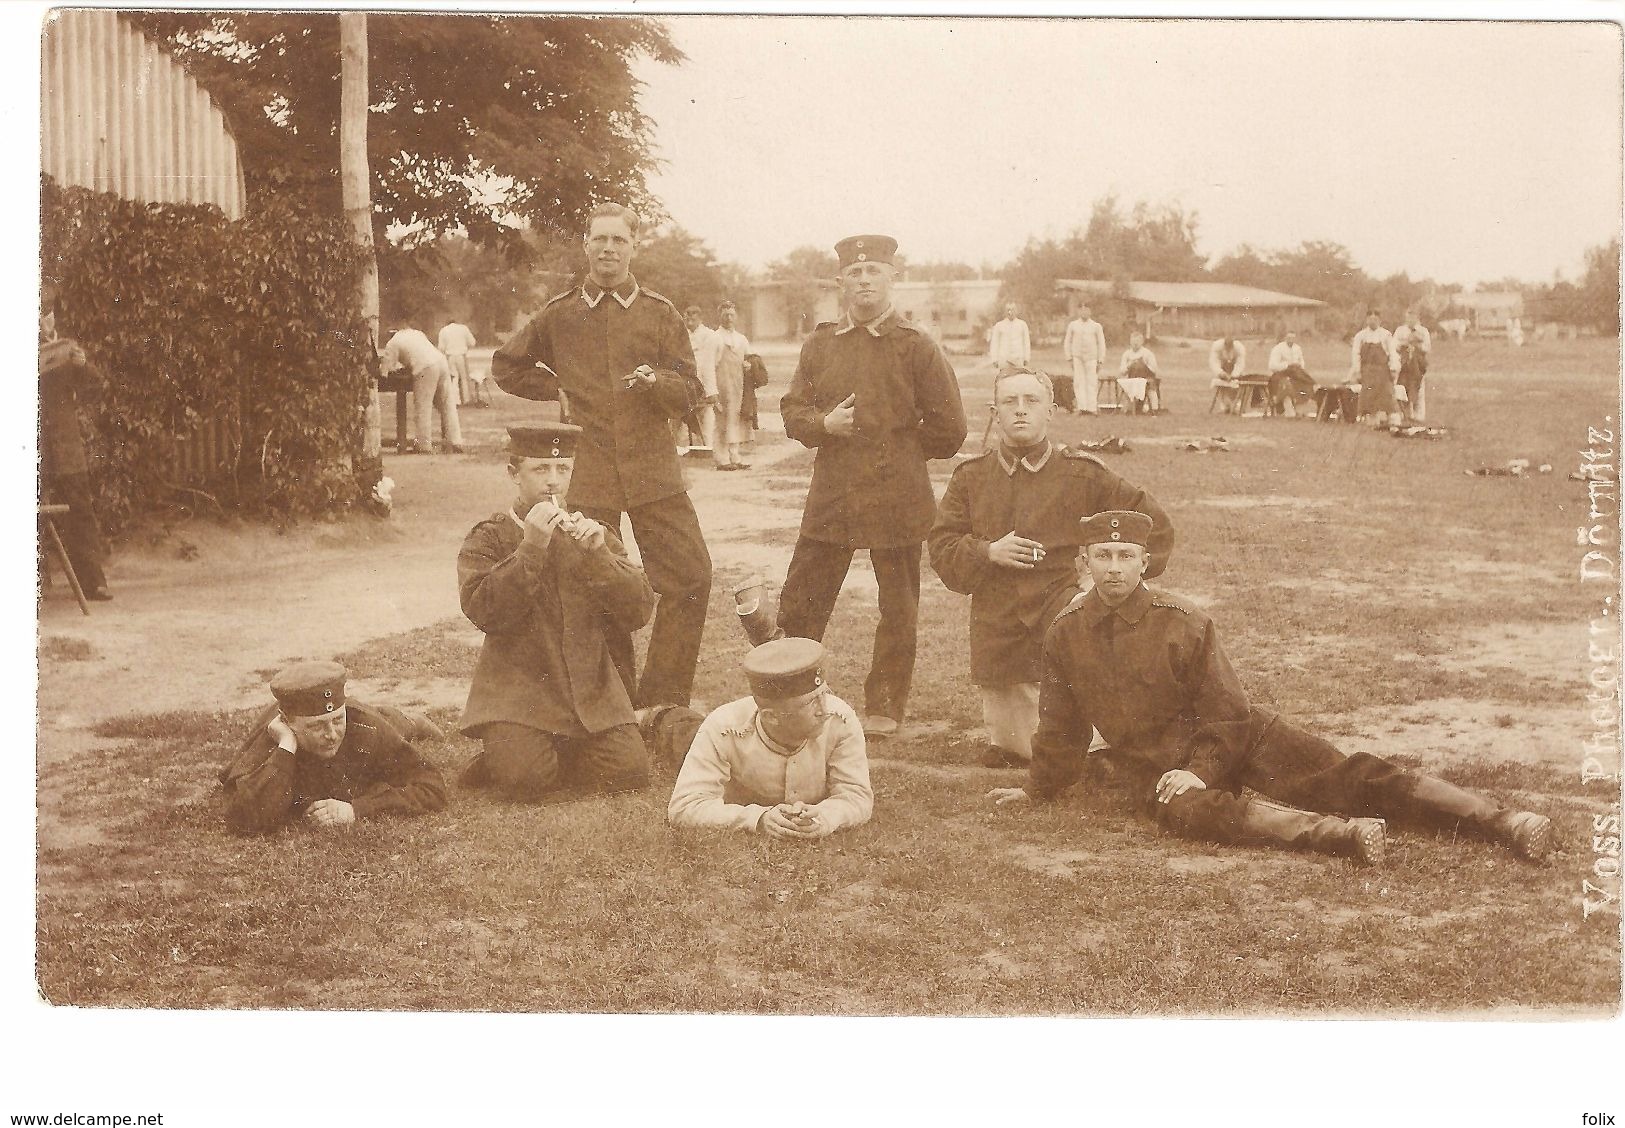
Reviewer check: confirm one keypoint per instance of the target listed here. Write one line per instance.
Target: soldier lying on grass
(1146, 669)
(788, 761)
(317, 756)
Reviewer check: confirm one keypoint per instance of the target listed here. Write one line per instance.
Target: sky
(1460, 151)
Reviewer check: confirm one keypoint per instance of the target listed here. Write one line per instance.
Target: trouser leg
(679, 569)
(730, 396)
(811, 585)
(613, 760)
(897, 571)
(445, 401)
(425, 387)
(410, 726)
(1084, 386)
(518, 761)
(1011, 715)
(1213, 815)
(81, 535)
(622, 654)
(668, 733)
(459, 372)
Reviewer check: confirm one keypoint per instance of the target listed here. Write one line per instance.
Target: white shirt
(1422, 338)
(703, 340)
(733, 773)
(410, 349)
(1010, 343)
(1377, 336)
(456, 339)
(1216, 364)
(1131, 355)
(1085, 340)
(734, 342)
(1284, 356)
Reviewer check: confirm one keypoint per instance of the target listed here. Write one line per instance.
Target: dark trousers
(679, 569)
(1292, 383)
(817, 570)
(81, 536)
(1300, 769)
(1066, 396)
(526, 763)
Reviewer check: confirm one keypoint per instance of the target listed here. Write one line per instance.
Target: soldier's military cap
(544, 440)
(785, 667)
(1124, 526)
(309, 689)
(866, 248)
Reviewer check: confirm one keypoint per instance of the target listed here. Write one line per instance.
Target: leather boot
(1275, 825)
(1525, 833)
(750, 602)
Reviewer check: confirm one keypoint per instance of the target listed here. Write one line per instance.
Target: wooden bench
(401, 384)
(48, 514)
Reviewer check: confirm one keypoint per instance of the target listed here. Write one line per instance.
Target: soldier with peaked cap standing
(554, 593)
(788, 761)
(1147, 670)
(622, 356)
(318, 755)
(874, 395)
(1007, 536)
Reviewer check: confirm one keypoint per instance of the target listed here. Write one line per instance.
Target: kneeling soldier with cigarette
(1146, 669)
(551, 590)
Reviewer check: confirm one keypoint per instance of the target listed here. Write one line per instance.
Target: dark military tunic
(376, 770)
(1043, 495)
(872, 488)
(592, 338)
(1150, 675)
(547, 614)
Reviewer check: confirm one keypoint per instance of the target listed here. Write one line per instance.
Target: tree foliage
(802, 275)
(477, 121)
(195, 320)
(680, 266)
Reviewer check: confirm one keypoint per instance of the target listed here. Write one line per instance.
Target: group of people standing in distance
(1074, 656)
(440, 382)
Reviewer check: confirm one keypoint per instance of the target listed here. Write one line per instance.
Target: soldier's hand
(842, 419)
(589, 534)
(331, 812)
(540, 522)
(782, 822)
(1011, 551)
(640, 377)
(1003, 795)
(1175, 783)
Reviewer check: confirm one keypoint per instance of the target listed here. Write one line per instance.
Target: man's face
(320, 736)
(1023, 408)
(1083, 312)
(692, 317)
(791, 720)
(729, 317)
(1115, 568)
(867, 289)
(537, 478)
(1291, 338)
(1010, 311)
(610, 247)
(1136, 340)
(1372, 321)
(1410, 319)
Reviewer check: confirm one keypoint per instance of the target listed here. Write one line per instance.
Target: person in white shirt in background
(454, 341)
(1137, 374)
(1373, 364)
(1290, 382)
(789, 761)
(731, 347)
(703, 339)
(1085, 348)
(1227, 360)
(410, 349)
(1010, 344)
(1414, 344)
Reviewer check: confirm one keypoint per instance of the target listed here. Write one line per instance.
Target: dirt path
(202, 632)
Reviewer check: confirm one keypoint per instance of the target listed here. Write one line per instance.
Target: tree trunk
(357, 194)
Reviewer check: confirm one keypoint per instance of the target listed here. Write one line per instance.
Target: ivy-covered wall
(193, 318)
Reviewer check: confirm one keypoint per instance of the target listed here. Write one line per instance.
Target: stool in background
(48, 514)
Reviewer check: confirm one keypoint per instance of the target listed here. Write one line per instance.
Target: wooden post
(357, 190)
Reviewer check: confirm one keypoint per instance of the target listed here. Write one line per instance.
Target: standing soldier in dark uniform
(874, 395)
(332, 761)
(1007, 536)
(554, 593)
(1147, 671)
(65, 372)
(622, 356)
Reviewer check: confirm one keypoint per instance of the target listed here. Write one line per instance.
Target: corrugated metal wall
(118, 115)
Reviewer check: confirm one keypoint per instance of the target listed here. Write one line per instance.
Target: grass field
(1363, 584)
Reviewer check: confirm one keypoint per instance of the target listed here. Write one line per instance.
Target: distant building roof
(1194, 295)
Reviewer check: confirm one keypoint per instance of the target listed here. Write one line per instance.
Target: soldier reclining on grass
(1147, 670)
(788, 761)
(315, 754)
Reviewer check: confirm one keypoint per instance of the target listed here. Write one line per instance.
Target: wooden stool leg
(67, 565)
